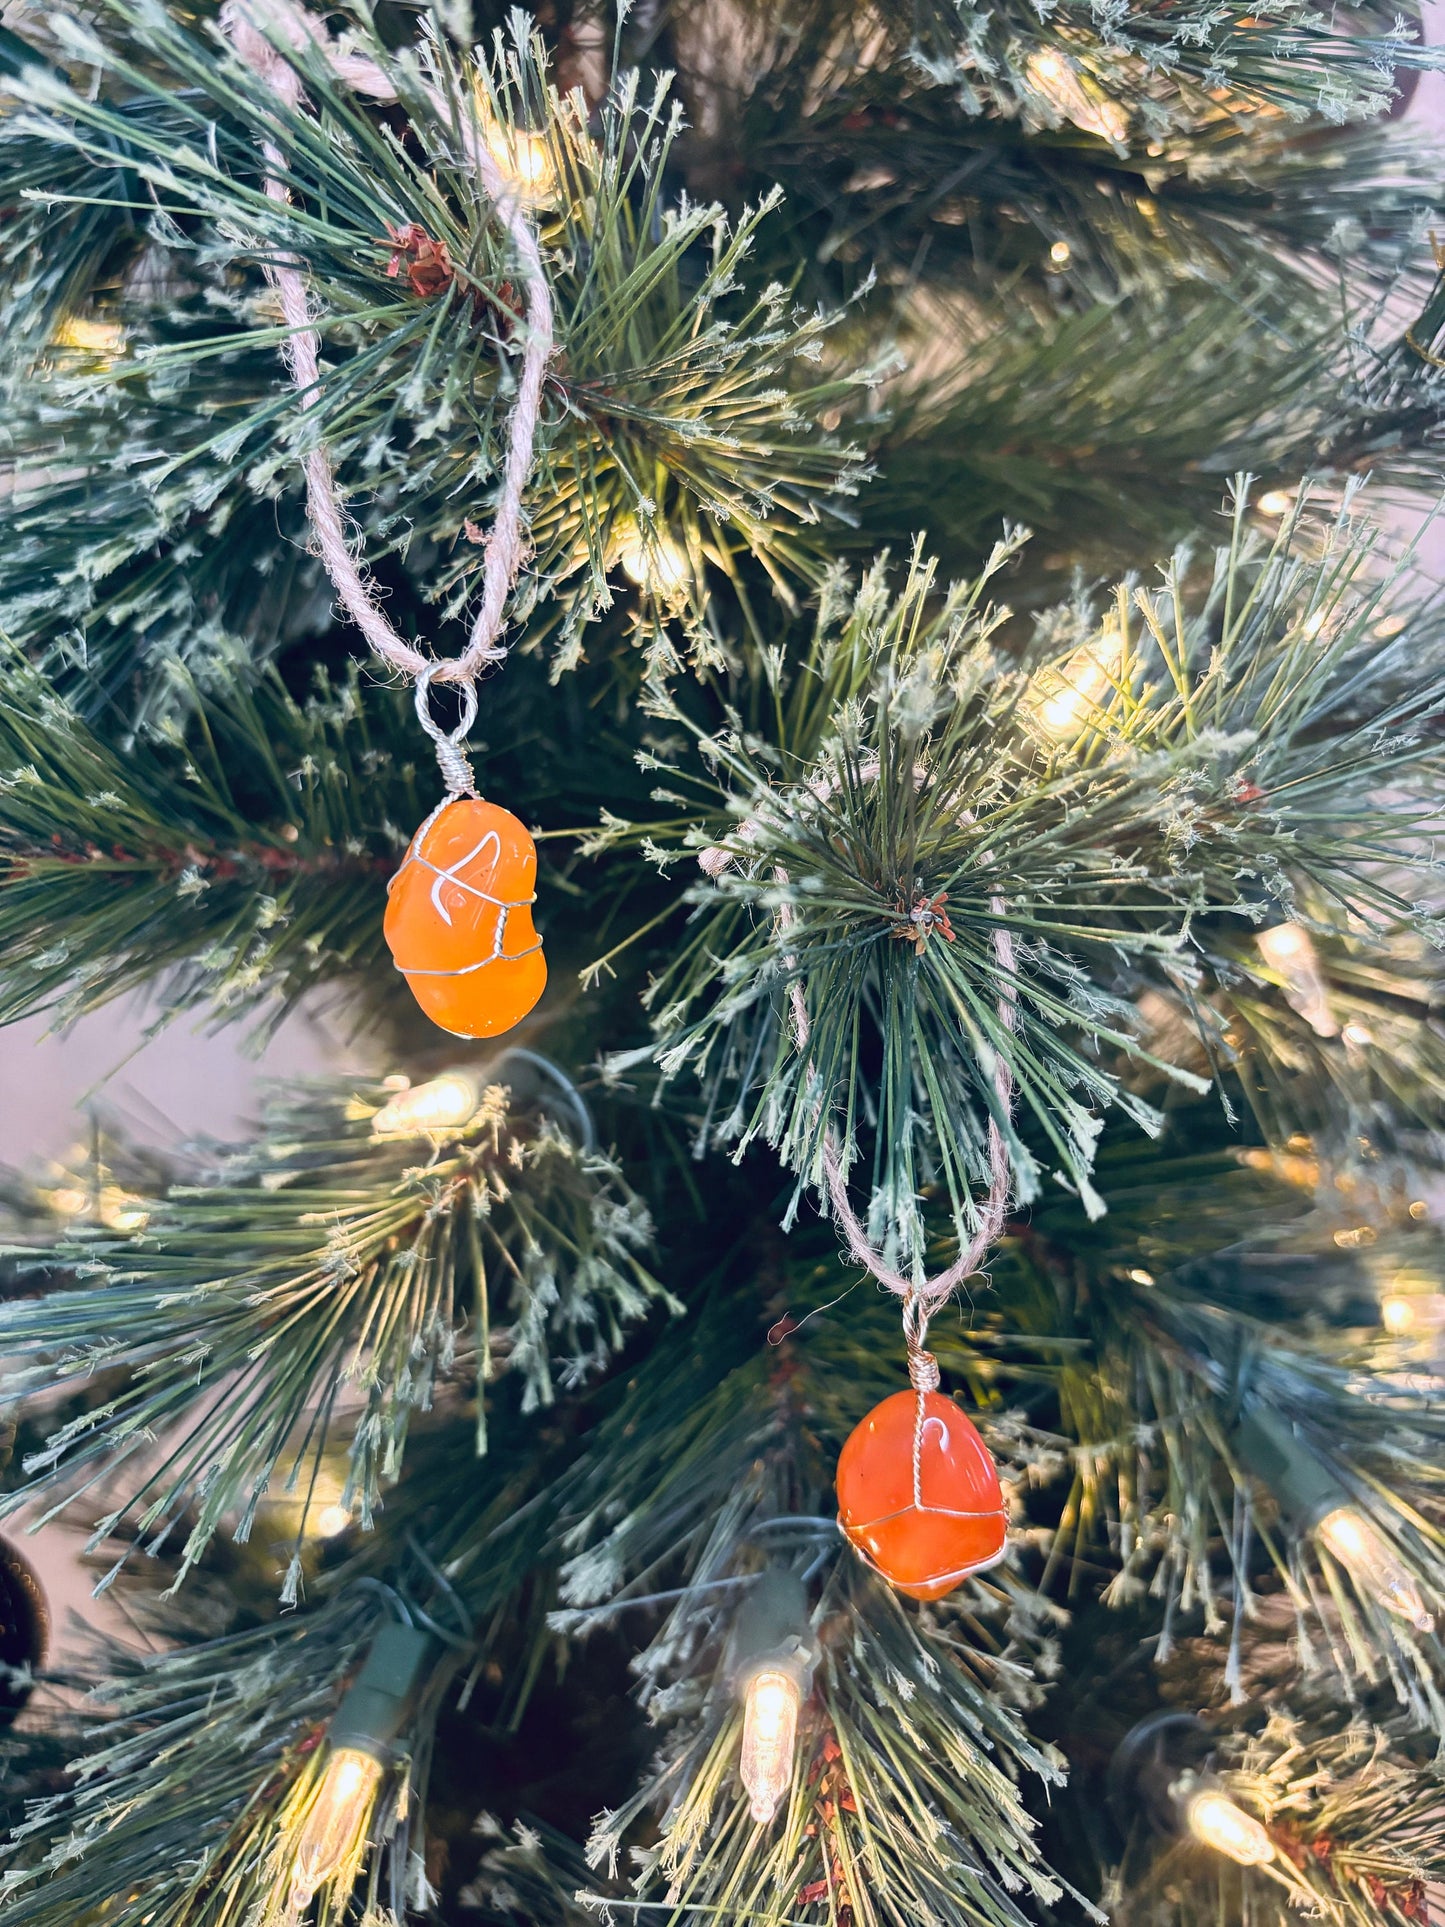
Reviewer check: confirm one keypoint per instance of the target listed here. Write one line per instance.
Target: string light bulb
(83, 334)
(335, 1828)
(1310, 1490)
(1162, 1773)
(654, 561)
(771, 1658)
(770, 1736)
(443, 1104)
(522, 156)
(328, 1819)
(1070, 695)
(111, 1205)
(1275, 502)
(1374, 1565)
(1288, 949)
(1054, 80)
(1397, 1314)
(1215, 1821)
(1412, 1306)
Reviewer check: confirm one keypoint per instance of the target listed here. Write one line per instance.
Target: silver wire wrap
(451, 757)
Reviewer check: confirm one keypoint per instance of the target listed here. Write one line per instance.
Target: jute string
(258, 29)
(921, 1299)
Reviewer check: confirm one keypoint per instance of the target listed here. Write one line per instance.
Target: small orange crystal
(918, 1494)
(459, 919)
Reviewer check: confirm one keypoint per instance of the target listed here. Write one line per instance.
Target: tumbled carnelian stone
(924, 1540)
(442, 924)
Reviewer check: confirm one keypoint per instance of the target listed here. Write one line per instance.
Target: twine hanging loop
(920, 1298)
(262, 32)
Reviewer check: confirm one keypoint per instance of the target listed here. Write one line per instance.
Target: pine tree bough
(328, 1280)
(1059, 915)
(1185, 779)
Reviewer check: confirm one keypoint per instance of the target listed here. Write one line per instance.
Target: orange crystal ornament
(459, 918)
(918, 1495)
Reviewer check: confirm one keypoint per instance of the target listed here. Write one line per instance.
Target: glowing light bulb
(770, 1731)
(1397, 1315)
(113, 1207)
(654, 561)
(102, 339)
(524, 158)
(1055, 81)
(527, 162)
(1275, 501)
(121, 1211)
(1357, 1034)
(1354, 1236)
(334, 1830)
(1412, 1304)
(1071, 695)
(1061, 254)
(1289, 950)
(1217, 1822)
(1373, 1564)
(332, 1520)
(1139, 1276)
(440, 1105)
(68, 1201)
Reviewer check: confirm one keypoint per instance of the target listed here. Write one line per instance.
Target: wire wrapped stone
(919, 1495)
(459, 918)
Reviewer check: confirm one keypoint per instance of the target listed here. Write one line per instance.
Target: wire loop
(455, 768)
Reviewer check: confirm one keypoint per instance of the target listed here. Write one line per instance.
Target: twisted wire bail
(923, 1372)
(452, 758)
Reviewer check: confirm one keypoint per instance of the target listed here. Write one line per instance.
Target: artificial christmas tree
(995, 963)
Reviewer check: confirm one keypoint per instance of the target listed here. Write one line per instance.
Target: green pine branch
(1139, 1341)
(1060, 424)
(904, 1803)
(675, 392)
(326, 1282)
(1372, 1090)
(239, 859)
(904, 1799)
(180, 1763)
(890, 172)
(1155, 65)
(531, 1873)
(1171, 766)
